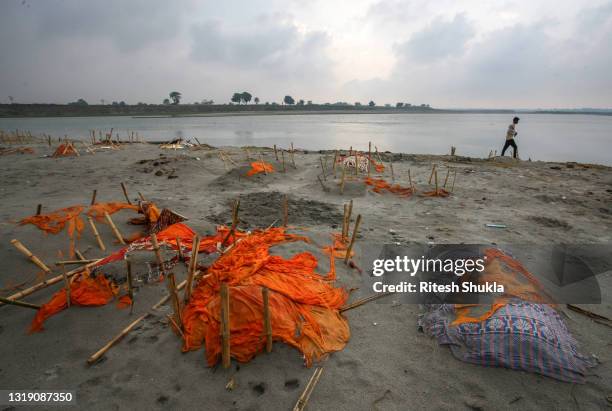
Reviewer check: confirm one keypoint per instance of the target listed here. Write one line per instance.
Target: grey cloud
(437, 41)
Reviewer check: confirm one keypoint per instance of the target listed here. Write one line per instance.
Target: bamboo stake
(179, 250)
(19, 303)
(114, 228)
(66, 285)
(303, 400)
(342, 180)
(96, 234)
(410, 180)
(436, 177)
(335, 160)
(47, 283)
(363, 301)
(265, 293)
(93, 197)
(193, 265)
(285, 211)
(225, 326)
(38, 209)
(369, 157)
(158, 256)
(392, 172)
(176, 303)
(433, 168)
(128, 266)
(275, 152)
(446, 178)
(263, 164)
(72, 262)
(125, 193)
(322, 185)
(235, 209)
(293, 155)
(22, 248)
(453, 184)
(344, 232)
(323, 169)
(95, 357)
(283, 156)
(348, 218)
(353, 238)
(142, 198)
(79, 255)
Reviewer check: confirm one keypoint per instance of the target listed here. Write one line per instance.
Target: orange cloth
(303, 305)
(84, 290)
(381, 185)
(518, 283)
(338, 247)
(97, 210)
(65, 149)
(55, 221)
(124, 301)
(259, 167)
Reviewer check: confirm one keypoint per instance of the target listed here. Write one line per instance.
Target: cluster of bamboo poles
(19, 137)
(434, 176)
(97, 138)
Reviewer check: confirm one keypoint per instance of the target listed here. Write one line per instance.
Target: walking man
(510, 134)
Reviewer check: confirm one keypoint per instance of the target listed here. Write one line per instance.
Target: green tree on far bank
(176, 97)
(371, 104)
(166, 102)
(246, 97)
(289, 100)
(256, 100)
(236, 98)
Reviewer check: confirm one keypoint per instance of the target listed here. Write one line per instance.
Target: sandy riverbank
(387, 365)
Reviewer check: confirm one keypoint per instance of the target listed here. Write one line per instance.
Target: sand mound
(167, 166)
(550, 222)
(236, 178)
(259, 210)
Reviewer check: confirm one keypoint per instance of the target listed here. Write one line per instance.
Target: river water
(552, 137)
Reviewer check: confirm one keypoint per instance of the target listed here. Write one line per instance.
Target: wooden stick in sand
(300, 405)
(283, 156)
(433, 169)
(128, 266)
(334, 165)
(344, 232)
(23, 249)
(322, 184)
(369, 157)
(353, 238)
(96, 234)
(98, 354)
(265, 293)
(446, 178)
(275, 152)
(235, 210)
(263, 165)
(193, 265)
(323, 169)
(109, 220)
(72, 262)
(285, 211)
(19, 303)
(179, 250)
(392, 172)
(453, 184)
(410, 180)
(125, 193)
(47, 283)
(363, 301)
(293, 156)
(342, 180)
(80, 255)
(176, 303)
(66, 285)
(225, 327)
(93, 197)
(38, 209)
(158, 256)
(436, 178)
(348, 217)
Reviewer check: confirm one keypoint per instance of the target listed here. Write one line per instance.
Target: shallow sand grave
(387, 364)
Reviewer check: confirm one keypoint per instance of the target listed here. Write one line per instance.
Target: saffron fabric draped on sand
(304, 306)
(260, 167)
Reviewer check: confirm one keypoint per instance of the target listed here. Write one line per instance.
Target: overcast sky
(448, 53)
